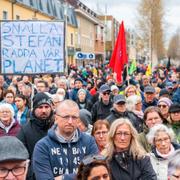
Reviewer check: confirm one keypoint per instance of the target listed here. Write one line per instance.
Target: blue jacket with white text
(53, 156)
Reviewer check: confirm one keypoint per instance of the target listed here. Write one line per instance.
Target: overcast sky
(127, 10)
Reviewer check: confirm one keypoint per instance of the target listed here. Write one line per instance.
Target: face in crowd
(13, 170)
(67, 115)
(78, 84)
(122, 137)
(120, 107)
(152, 119)
(105, 96)
(5, 116)
(43, 111)
(100, 133)
(149, 97)
(162, 142)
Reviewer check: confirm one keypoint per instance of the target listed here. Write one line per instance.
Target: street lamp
(65, 6)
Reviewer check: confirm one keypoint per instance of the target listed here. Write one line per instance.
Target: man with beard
(41, 119)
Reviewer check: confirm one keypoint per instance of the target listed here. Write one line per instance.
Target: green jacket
(143, 140)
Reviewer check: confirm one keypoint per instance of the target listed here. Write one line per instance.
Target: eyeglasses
(125, 134)
(176, 176)
(67, 117)
(106, 93)
(101, 133)
(159, 141)
(163, 106)
(5, 112)
(17, 171)
(89, 159)
(130, 92)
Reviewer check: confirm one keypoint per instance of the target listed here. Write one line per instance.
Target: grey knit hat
(12, 148)
(85, 117)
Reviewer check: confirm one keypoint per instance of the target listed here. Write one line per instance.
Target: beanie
(82, 90)
(85, 117)
(174, 108)
(41, 98)
(165, 100)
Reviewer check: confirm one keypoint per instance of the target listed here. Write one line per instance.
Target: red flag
(119, 55)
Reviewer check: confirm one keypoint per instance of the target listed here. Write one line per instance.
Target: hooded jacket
(54, 156)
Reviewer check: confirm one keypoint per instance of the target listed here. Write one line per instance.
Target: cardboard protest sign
(32, 47)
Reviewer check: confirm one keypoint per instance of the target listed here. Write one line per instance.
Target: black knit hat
(41, 98)
(174, 108)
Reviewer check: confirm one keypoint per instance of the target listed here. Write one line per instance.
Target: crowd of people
(87, 126)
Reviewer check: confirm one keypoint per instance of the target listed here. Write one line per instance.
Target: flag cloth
(119, 55)
(149, 70)
(133, 67)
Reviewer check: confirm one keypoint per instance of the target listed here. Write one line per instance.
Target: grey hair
(173, 163)
(61, 91)
(135, 148)
(156, 129)
(131, 101)
(9, 107)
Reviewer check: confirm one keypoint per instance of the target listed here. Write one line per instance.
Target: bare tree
(150, 22)
(174, 46)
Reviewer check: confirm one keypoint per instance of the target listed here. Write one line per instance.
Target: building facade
(43, 10)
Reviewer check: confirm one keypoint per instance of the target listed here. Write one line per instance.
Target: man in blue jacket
(62, 150)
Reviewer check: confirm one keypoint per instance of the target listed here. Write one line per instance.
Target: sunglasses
(163, 106)
(106, 93)
(89, 159)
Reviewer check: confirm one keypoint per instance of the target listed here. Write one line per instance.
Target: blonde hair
(135, 148)
(130, 87)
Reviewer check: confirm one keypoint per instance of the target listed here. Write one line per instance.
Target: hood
(43, 124)
(52, 134)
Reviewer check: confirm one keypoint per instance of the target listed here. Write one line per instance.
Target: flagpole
(127, 67)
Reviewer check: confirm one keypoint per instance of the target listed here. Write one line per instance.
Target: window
(5, 15)
(31, 2)
(17, 17)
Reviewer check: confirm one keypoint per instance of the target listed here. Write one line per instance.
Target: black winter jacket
(30, 134)
(135, 120)
(100, 110)
(124, 167)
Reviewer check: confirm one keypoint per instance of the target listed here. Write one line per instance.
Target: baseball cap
(12, 149)
(149, 89)
(169, 85)
(114, 87)
(163, 91)
(104, 88)
(119, 98)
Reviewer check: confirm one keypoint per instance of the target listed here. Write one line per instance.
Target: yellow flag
(149, 70)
